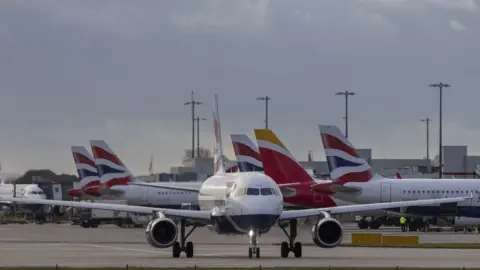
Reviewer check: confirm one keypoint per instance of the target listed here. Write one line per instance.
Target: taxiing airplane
(354, 181)
(237, 204)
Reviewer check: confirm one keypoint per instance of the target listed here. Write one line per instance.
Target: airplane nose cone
(258, 215)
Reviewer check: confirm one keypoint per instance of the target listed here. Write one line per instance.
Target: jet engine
(58, 210)
(161, 232)
(327, 233)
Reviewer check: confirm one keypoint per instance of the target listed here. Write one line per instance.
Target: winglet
(218, 166)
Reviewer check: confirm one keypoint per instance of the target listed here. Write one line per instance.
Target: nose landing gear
(253, 250)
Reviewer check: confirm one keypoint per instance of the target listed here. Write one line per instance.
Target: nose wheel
(253, 250)
(291, 245)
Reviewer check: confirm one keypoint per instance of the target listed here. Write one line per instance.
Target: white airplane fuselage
(155, 197)
(390, 190)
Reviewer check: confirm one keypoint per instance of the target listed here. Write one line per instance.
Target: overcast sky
(71, 71)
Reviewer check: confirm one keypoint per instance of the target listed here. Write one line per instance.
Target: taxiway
(66, 245)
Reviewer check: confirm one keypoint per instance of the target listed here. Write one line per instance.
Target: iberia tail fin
(278, 162)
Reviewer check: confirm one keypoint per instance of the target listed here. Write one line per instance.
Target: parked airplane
(116, 177)
(240, 203)
(87, 173)
(354, 181)
(38, 211)
(246, 153)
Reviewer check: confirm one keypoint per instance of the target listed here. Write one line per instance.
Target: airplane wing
(294, 214)
(157, 185)
(188, 214)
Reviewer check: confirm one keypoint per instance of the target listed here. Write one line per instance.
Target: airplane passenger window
(266, 191)
(253, 191)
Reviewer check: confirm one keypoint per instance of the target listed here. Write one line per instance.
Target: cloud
(122, 70)
(456, 25)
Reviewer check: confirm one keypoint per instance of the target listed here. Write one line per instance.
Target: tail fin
(246, 153)
(278, 162)
(398, 175)
(111, 169)
(344, 162)
(218, 166)
(86, 167)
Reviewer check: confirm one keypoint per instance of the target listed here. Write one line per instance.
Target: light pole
(193, 102)
(198, 133)
(440, 86)
(346, 94)
(266, 99)
(427, 122)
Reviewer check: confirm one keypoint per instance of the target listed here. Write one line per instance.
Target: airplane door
(143, 194)
(386, 192)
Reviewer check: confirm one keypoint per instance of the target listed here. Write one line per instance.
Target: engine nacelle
(327, 233)
(58, 210)
(161, 232)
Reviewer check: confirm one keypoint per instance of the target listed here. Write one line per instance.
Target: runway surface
(66, 245)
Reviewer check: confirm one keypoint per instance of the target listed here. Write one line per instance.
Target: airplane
(246, 153)
(115, 178)
(237, 204)
(39, 212)
(354, 181)
(87, 173)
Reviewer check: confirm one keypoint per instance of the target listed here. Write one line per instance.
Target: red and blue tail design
(343, 160)
(246, 153)
(86, 169)
(111, 169)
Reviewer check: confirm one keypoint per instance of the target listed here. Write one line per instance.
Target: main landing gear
(182, 245)
(291, 245)
(253, 250)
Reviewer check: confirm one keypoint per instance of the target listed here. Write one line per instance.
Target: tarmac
(66, 245)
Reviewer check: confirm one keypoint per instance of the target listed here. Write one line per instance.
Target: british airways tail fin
(278, 162)
(246, 153)
(344, 162)
(111, 169)
(85, 165)
(218, 166)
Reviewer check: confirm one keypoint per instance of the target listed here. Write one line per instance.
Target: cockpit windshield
(256, 191)
(34, 192)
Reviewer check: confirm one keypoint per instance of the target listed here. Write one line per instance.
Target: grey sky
(121, 70)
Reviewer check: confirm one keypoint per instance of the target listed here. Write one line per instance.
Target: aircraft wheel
(362, 224)
(176, 250)
(250, 252)
(284, 250)
(297, 250)
(189, 249)
(257, 253)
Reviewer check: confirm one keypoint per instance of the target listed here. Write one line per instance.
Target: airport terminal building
(457, 164)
